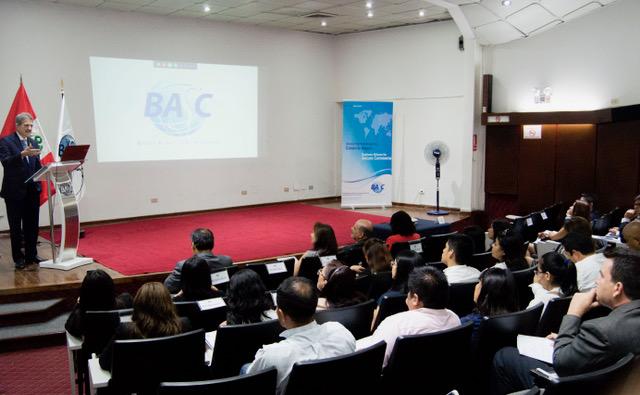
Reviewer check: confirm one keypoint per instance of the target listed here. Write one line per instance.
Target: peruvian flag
(22, 104)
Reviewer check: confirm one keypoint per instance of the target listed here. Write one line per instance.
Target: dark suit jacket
(216, 262)
(15, 169)
(586, 346)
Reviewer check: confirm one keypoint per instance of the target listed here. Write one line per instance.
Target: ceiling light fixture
(506, 3)
(421, 13)
(206, 8)
(370, 14)
(323, 23)
(369, 4)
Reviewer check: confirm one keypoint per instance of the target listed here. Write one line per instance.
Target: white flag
(65, 138)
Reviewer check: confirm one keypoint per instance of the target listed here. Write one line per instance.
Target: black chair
(205, 319)
(363, 283)
(525, 227)
(399, 246)
(335, 375)
(437, 265)
(357, 319)
(260, 383)
(552, 316)
(433, 245)
(461, 298)
(425, 361)
(273, 280)
(309, 267)
(139, 365)
(482, 261)
(523, 279)
(390, 305)
(237, 345)
(596, 382)
(379, 283)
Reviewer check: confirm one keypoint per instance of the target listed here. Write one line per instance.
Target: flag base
(66, 265)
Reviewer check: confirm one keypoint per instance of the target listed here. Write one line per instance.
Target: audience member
(478, 237)
(337, 286)
(590, 200)
(352, 254)
(202, 242)
(97, 293)
(427, 300)
(495, 294)
(585, 346)
(196, 281)
(248, 299)
(579, 209)
(154, 315)
(631, 235)
(402, 229)
(324, 244)
(509, 250)
(630, 215)
(581, 251)
(498, 226)
(377, 256)
(554, 277)
(457, 255)
(304, 339)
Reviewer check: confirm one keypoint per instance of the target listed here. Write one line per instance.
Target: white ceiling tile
(220, 17)
(228, 3)
(249, 9)
(497, 8)
(313, 5)
(291, 11)
(87, 3)
(582, 11)
(497, 33)
(118, 6)
(347, 10)
(478, 15)
(530, 18)
(266, 17)
(157, 10)
(562, 8)
(172, 3)
(281, 3)
(546, 27)
(199, 8)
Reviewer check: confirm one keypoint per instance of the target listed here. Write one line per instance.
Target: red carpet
(38, 371)
(150, 246)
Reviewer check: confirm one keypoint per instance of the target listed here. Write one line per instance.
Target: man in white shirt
(304, 339)
(579, 248)
(428, 295)
(457, 254)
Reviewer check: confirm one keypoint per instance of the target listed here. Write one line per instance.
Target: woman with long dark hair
(509, 250)
(324, 242)
(196, 281)
(555, 277)
(248, 299)
(337, 286)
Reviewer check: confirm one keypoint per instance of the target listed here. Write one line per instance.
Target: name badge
(210, 304)
(220, 277)
(543, 215)
(441, 220)
(529, 222)
(276, 267)
(417, 247)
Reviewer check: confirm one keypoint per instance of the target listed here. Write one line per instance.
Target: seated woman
(402, 229)
(324, 244)
(495, 294)
(154, 315)
(97, 293)
(196, 281)
(337, 286)
(378, 260)
(509, 250)
(577, 209)
(555, 277)
(248, 299)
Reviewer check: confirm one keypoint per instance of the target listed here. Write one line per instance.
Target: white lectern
(59, 174)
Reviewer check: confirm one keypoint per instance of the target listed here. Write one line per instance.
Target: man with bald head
(631, 235)
(352, 255)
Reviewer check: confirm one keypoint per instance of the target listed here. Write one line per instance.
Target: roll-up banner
(366, 154)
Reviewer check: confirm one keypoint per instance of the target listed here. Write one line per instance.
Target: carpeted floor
(39, 371)
(151, 246)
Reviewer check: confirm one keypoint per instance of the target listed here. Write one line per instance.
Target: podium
(59, 174)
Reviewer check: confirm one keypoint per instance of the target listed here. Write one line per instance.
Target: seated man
(631, 235)
(579, 248)
(202, 246)
(304, 339)
(582, 347)
(457, 254)
(427, 298)
(630, 215)
(352, 255)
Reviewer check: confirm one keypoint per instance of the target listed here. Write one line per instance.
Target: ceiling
(489, 20)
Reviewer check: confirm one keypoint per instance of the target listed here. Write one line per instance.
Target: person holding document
(20, 157)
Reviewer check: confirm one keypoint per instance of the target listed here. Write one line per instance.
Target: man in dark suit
(582, 347)
(202, 246)
(19, 154)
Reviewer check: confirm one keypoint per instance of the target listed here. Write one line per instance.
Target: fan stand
(437, 211)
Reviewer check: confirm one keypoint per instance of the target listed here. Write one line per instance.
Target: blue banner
(366, 154)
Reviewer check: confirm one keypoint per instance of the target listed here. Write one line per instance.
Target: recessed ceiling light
(206, 8)
(421, 13)
(323, 23)
(506, 3)
(370, 14)
(369, 4)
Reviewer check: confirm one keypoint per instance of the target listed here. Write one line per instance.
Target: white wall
(590, 63)
(431, 83)
(46, 42)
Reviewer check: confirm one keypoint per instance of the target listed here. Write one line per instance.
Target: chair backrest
(140, 365)
(309, 267)
(600, 245)
(523, 279)
(237, 345)
(429, 358)
(433, 245)
(380, 283)
(461, 298)
(552, 316)
(399, 246)
(437, 265)
(357, 318)
(590, 383)
(205, 319)
(260, 383)
(333, 375)
(390, 305)
(100, 326)
(363, 283)
(483, 260)
(351, 255)
(270, 272)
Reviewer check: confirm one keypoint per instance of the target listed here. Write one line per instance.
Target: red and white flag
(21, 103)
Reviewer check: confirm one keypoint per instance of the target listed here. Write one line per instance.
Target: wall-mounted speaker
(461, 43)
(487, 92)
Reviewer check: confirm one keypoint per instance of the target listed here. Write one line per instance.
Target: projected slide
(148, 110)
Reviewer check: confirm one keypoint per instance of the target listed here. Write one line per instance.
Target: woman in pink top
(402, 229)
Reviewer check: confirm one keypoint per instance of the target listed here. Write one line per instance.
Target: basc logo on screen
(178, 109)
(377, 188)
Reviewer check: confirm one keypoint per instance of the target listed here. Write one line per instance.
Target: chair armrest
(99, 378)
(543, 378)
